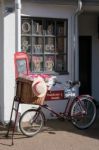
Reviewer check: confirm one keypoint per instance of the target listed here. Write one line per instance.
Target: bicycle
(80, 110)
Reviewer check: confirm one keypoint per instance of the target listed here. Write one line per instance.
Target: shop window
(45, 40)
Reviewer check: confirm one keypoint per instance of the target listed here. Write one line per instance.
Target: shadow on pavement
(57, 125)
(52, 127)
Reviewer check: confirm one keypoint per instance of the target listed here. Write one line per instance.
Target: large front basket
(24, 92)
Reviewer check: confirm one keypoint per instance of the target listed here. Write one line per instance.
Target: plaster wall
(1, 65)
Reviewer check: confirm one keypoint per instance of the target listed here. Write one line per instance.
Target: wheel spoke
(83, 113)
(31, 122)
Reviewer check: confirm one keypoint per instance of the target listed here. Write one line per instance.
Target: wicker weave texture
(24, 92)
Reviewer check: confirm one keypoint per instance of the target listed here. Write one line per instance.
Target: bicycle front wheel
(83, 113)
(31, 122)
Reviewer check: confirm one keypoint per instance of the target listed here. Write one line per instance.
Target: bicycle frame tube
(51, 110)
(68, 106)
(66, 111)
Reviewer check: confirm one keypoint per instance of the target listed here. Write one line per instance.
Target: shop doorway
(85, 48)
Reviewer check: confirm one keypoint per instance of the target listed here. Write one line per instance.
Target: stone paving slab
(57, 135)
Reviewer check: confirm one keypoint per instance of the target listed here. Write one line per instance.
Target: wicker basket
(25, 94)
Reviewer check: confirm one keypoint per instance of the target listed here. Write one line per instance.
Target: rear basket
(24, 92)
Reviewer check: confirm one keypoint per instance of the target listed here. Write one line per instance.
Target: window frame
(55, 54)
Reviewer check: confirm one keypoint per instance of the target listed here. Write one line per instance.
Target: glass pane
(21, 66)
(60, 30)
(61, 63)
(37, 62)
(46, 42)
(26, 26)
(49, 45)
(49, 63)
(60, 45)
(37, 45)
(37, 27)
(26, 44)
(50, 25)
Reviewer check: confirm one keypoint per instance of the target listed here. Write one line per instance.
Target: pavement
(57, 135)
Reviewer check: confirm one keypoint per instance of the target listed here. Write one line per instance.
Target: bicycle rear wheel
(83, 113)
(31, 122)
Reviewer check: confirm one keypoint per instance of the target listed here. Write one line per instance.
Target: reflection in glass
(21, 66)
(26, 44)
(37, 62)
(60, 63)
(26, 26)
(37, 45)
(60, 45)
(46, 42)
(37, 27)
(49, 63)
(60, 28)
(50, 26)
(50, 45)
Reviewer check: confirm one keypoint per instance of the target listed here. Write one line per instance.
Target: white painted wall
(9, 72)
(1, 65)
(7, 49)
(88, 25)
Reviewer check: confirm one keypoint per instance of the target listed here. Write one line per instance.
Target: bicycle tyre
(31, 122)
(83, 121)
